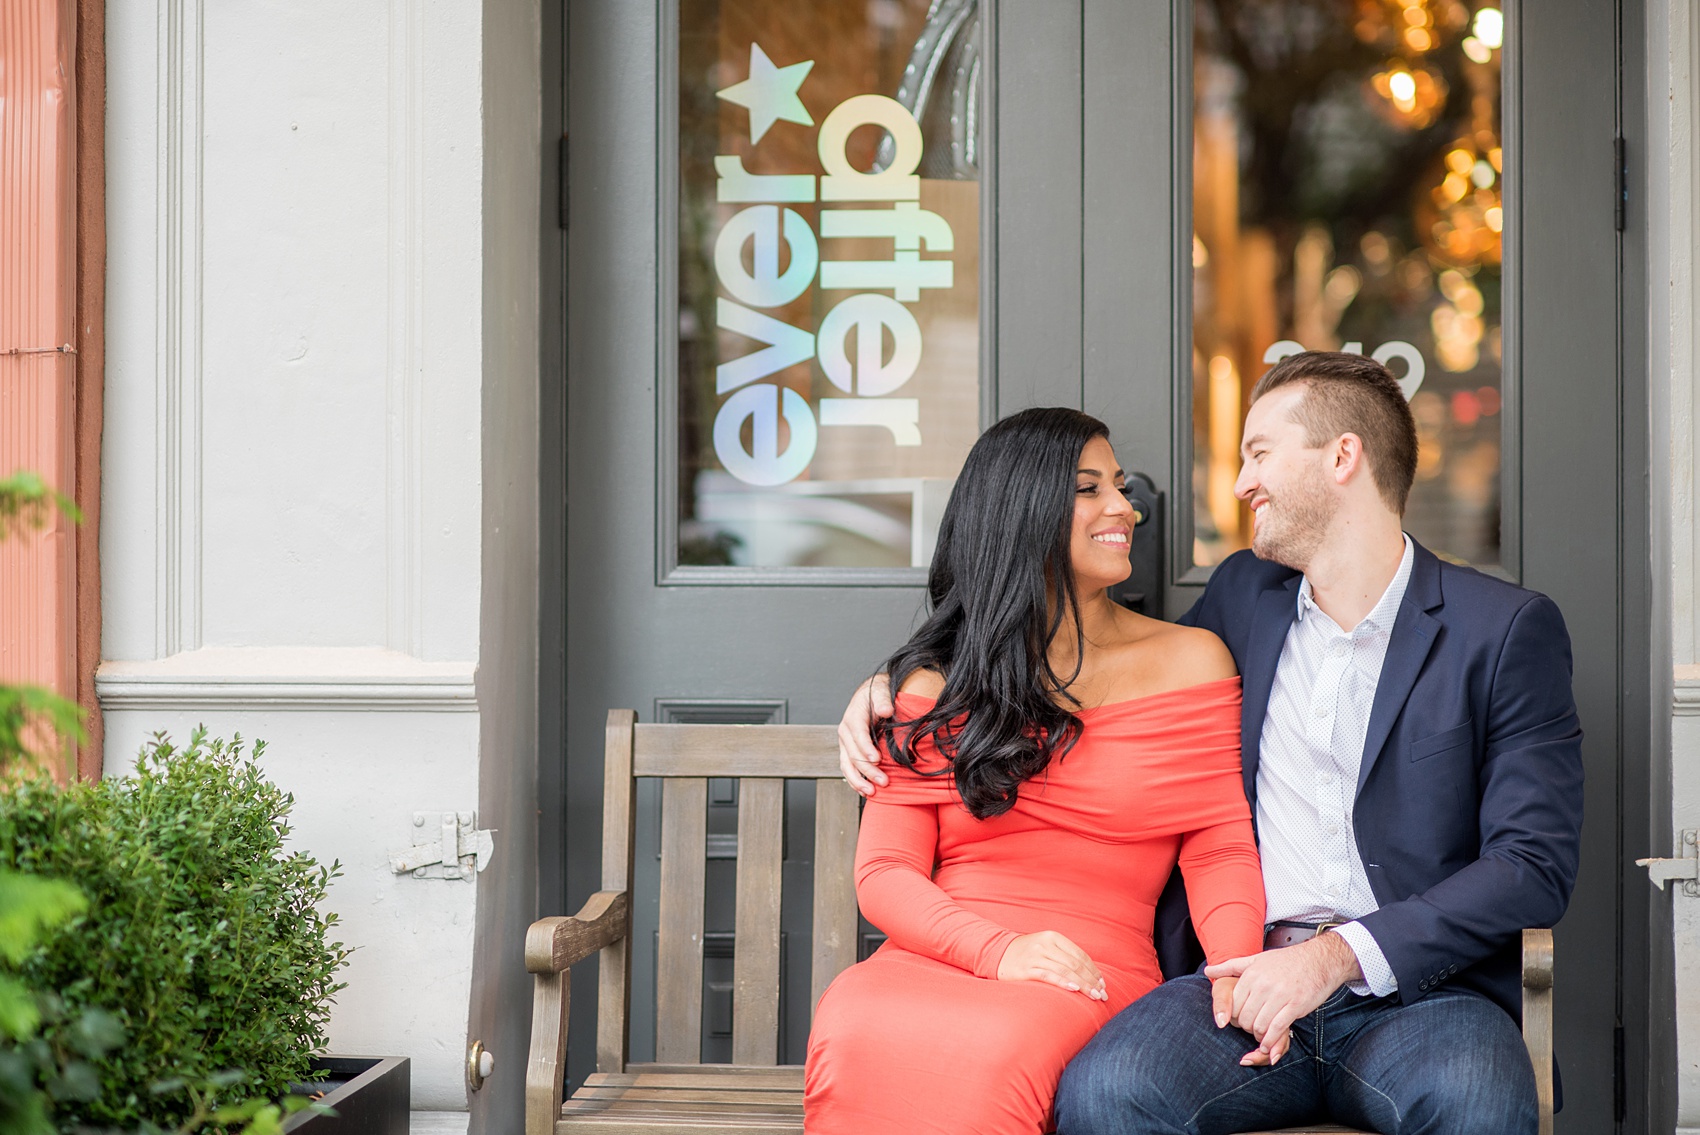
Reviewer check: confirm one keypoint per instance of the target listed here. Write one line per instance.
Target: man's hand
(858, 757)
(1277, 987)
(1050, 957)
(1222, 1002)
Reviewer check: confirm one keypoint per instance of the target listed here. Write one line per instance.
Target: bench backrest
(761, 758)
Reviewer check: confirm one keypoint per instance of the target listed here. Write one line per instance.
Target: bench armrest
(1537, 1017)
(555, 944)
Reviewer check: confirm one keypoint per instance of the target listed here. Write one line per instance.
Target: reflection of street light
(1413, 95)
(1489, 27)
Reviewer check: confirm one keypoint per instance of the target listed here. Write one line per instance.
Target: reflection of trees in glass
(699, 141)
(1346, 189)
(941, 88)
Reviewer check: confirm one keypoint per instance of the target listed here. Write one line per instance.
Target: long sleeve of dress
(1224, 889)
(895, 851)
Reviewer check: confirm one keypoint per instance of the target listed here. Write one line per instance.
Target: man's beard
(1295, 523)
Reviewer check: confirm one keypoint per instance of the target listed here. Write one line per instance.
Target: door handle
(1142, 590)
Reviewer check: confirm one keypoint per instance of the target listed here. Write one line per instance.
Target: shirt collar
(1386, 609)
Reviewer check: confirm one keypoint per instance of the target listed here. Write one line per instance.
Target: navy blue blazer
(1469, 806)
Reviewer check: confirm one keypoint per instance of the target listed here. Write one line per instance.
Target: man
(1413, 760)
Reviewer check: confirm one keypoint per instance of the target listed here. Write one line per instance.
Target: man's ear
(1348, 457)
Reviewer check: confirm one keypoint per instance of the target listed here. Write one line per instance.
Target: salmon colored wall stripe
(38, 331)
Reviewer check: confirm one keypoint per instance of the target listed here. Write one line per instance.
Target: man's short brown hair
(1353, 394)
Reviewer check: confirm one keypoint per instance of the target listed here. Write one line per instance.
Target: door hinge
(1620, 158)
(450, 847)
(1684, 870)
(560, 163)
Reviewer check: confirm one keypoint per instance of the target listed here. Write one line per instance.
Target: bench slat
(755, 961)
(765, 1076)
(699, 1097)
(678, 986)
(801, 752)
(624, 1125)
(833, 940)
(788, 1103)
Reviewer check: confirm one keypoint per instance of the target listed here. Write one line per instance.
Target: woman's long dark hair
(1001, 583)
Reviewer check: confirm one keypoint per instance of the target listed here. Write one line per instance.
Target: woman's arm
(1224, 888)
(894, 884)
(895, 852)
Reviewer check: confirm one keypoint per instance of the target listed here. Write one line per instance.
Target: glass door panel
(1347, 195)
(828, 381)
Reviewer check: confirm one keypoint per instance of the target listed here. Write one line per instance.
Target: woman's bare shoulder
(1192, 655)
(924, 683)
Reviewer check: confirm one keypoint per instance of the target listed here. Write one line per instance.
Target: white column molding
(178, 295)
(288, 678)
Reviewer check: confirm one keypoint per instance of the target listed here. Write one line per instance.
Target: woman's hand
(858, 756)
(1222, 1003)
(1048, 956)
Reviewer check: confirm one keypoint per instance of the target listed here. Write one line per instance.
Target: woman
(1056, 755)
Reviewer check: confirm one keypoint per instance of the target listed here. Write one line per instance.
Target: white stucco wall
(294, 509)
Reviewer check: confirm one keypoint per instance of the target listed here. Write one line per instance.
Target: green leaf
(26, 501)
(19, 1015)
(238, 1112)
(269, 1121)
(95, 1033)
(76, 1081)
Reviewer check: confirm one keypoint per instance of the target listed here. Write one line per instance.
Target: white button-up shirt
(1311, 749)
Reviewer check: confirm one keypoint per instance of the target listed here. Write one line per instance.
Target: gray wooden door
(1105, 258)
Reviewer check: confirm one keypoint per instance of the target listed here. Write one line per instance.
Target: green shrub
(202, 939)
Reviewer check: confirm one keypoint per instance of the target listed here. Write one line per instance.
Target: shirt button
(1333, 829)
(1334, 890)
(1322, 711)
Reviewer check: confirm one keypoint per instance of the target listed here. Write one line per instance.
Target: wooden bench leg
(546, 1069)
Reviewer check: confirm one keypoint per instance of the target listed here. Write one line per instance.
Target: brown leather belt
(1280, 934)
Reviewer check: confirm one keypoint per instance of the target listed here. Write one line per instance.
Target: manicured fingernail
(1073, 988)
(1221, 1020)
(1245, 1061)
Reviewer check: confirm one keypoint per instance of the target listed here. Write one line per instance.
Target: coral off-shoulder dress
(922, 1037)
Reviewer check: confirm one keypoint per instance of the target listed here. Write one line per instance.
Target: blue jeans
(1452, 1062)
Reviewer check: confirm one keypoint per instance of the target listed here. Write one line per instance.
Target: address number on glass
(1384, 354)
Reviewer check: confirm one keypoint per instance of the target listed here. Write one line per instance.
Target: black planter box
(370, 1095)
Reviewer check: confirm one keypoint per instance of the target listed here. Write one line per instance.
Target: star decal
(770, 93)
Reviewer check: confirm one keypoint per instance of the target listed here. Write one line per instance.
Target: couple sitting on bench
(1403, 730)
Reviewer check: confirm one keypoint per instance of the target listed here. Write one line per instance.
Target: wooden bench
(754, 1095)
